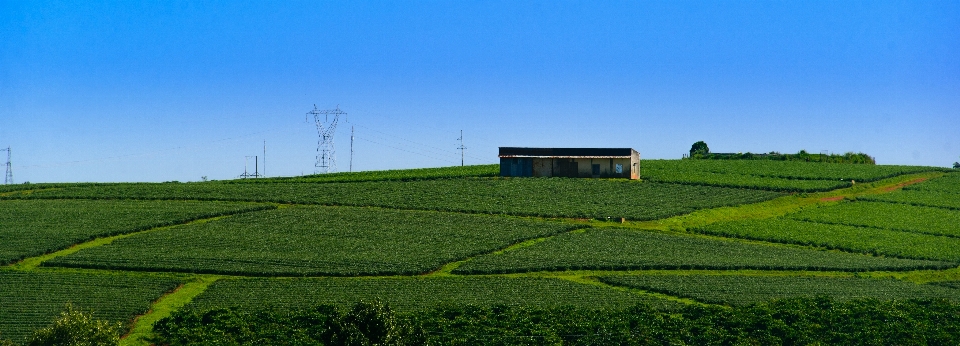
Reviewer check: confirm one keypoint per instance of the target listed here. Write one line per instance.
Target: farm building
(570, 162)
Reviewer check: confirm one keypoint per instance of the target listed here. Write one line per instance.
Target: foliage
(744, 181)
(881, 242)
(30, 300)
(367, 323)
(669, 170)
(802, 155)
(414, 293)
(388, 175)
(900, 217)
(77, 328)
(617, 249)
(699, 148)
(797, 321)
(744, 290)
(956, 165)
(949, 183)
(315, 240)
(543, 197)
(34, 227)
(925, 198)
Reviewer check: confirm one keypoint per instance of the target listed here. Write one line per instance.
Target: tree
(956, 165)
(699, 148)
(75, 327)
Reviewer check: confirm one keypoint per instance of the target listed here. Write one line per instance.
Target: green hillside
(441, 242)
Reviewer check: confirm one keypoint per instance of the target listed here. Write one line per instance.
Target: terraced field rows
(848, 238)
(900, 217)
(34, 227)
(541, 197)
(744, 290)
(316, 241)
(30, 300)
(408, 294)
(619, 249)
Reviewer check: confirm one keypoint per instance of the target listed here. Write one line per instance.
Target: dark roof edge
(555, 152)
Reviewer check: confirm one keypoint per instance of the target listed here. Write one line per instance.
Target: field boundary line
(772, 208)
(31, 263)
(448, 268)
(592, 281)
(164, 307)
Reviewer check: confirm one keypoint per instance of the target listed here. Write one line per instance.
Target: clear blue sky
(176, 90)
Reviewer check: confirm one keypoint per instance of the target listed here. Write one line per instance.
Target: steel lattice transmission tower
(326, 160)
(8, 179)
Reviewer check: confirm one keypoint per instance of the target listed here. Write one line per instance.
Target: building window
(619, 168)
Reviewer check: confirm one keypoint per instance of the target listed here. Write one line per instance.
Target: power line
(437, 150)
(404, 150)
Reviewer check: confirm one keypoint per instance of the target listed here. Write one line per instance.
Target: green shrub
(75, 327)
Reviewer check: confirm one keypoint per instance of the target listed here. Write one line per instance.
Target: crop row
(387, 175)
(744, 290)
(876, 241)
(416, 293)
(663, 169)
(34, 227)
(927, 198)
(543, 197)
(745, 181)
(31, 300)
(315, 240)
(948, 183)
(618, 249)
(893, 216)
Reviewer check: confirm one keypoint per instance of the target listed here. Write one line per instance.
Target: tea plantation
(458, 255)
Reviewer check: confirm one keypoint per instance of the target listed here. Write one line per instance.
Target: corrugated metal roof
(565, 152)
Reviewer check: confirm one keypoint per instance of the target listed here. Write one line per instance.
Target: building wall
(571, 167)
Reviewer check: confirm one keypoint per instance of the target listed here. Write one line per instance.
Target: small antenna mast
(351, 148)
(461, 147)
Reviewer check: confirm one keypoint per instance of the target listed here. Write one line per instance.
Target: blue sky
(170, 90)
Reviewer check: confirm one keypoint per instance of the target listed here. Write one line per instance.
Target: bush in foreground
(781, 322)
(77, 328)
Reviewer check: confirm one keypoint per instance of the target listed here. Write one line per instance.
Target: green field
(699, 235)
(899, 217)
(947, 183)
(542, 197)
(744, 290)
(882, 242)
(316, 241)
(413, 294)
(619, 249)
(790, 170)
(34, 227)
(923, 198)
(30, 300)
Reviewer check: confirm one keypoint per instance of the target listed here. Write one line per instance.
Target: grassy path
(163, 307)
(33, 262)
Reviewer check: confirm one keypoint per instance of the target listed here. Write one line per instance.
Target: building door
(596, 169)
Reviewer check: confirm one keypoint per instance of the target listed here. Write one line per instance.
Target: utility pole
(264, 158)
(351, 148)
(461, 147)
